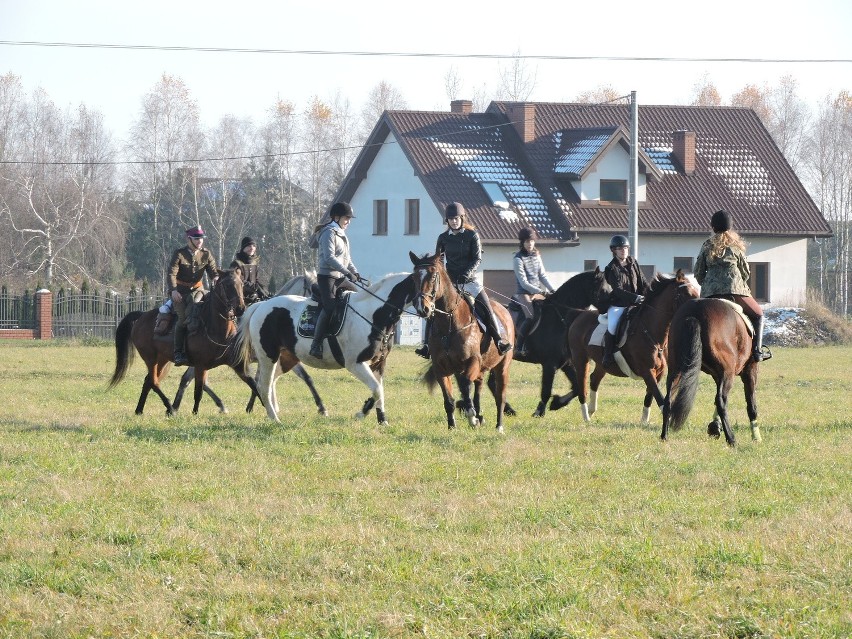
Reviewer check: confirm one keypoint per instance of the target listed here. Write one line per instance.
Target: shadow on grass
(31, 427)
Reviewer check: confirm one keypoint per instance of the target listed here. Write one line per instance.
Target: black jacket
(462, 252)
(627, 282)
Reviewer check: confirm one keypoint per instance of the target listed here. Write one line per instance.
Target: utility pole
(633, 179)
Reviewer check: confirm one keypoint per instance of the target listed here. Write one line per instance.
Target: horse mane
(577, 291)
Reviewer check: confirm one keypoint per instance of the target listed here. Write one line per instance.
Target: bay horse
(458, 346)
(207, 348)
(644, 349)
(270, 331)
(546, 342)
(713, 336)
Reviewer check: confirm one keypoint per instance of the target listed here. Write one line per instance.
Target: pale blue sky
(246, 84)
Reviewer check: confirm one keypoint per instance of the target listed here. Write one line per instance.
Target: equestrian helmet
(341, 209)
(195, 232)
(527, 233)
(455, 209)
(619, 241)
(721, 221)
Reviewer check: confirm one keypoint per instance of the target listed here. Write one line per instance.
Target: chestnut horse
(644, 350)
(709, 335)
(207, 348)
(457, 345)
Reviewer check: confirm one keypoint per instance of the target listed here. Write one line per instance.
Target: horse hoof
(323, 412)
(509, 411)
(384, 423)
(500, 429)
(359, 415)
(713, 430)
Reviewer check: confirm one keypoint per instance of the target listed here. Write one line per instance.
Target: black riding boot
(520, 346)
(319, 334)
(609, 350)
(179, 357)
(488, 315)
(423, 351)
(760, 353)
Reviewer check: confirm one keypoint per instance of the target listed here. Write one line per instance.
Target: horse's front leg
(302, 374)
(560, 401)
(198, 391)
(446, 386)
(469, 409)
(187, 376)
(652, 393)
(363, 372)
(749, 377)
(548, 372)
(477, 408)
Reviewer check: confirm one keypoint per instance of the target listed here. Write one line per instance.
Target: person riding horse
(462, 250)
(246, 261)
(723, 271)
(628, 285)
(532, 283)
(186, 269)
(334, 267)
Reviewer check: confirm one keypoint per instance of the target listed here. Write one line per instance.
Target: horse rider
(462, 250)
(628, 288)
(722, 271)
(532, 282)
(335, 269)
(186, 269)
(246, 261)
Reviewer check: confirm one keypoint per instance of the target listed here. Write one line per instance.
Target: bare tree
(788, 121)
(705, 93)
(756, 99)
(345, 138)
(383, 97)
(517, 81)
(601, 94)
(453, 84)
(317, 160)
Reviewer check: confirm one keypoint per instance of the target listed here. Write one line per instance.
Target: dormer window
(614, 191)
(495, 192)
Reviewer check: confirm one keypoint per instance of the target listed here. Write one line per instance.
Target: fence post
(44, 314)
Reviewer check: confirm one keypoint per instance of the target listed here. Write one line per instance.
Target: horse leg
(723, 388)
(560, 401)
(265, 382)
(464, 388)
(198, 391)
(477, 409)
(302, 374)
(188, 374)
(594, 384)
(749, 377)
(363, 372)
(501, 387)
(507, 407)
(143, 396)
(152, 382)
(652, 392)
(547, 375)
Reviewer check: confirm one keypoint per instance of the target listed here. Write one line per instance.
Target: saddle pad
(749, 326)
(308, 320)
(597, 336)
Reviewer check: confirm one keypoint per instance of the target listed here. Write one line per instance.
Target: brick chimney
(683, 149)
(461, 106)
(522, 115)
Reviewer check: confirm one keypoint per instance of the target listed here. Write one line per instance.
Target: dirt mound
(811, 326)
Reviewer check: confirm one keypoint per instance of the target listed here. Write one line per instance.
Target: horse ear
(413, 258)
(679, 275)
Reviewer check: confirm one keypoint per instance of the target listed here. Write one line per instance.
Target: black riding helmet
(454, 209)
(619, 241)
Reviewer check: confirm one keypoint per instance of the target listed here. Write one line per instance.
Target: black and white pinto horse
(270, 331)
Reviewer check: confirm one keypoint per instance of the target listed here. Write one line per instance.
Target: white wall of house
(614, 165)
(391, 177)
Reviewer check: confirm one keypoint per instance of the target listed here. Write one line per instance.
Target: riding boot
(609, 350)
(319, 334)
(491, 323)
(521, 347)
(423, 351)
(180, 358)
(760, 353)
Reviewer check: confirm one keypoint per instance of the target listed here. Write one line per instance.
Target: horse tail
(242, 342)
(123, 349)
(430, 379)
(687, 370)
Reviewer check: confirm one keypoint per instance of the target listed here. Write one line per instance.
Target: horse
(297, 285)
(457, 345)
(581, 291)
(709, 335)
(207, 348)
(270, 331)
(643, 353)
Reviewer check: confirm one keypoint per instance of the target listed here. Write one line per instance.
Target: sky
(246, 84)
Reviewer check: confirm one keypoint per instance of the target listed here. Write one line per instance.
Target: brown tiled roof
(738, 168)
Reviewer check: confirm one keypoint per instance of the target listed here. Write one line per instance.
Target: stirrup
(316, 351)
(180, 359)
(503, 346)
(423, 351)
(761, 354)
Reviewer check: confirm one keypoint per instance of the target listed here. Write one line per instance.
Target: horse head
(429, 275)
(228, 300)
(601, 290)
(668, 293)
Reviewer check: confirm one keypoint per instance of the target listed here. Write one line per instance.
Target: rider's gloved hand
(639, 299)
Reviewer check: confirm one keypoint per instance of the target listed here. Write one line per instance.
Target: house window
(614, 191)
(412, 217)
(380, 217)
(590, 265)
(648, 270)
(758, 282)
(683, 263)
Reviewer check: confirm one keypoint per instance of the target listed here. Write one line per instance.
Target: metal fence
(16, 311)
(95, 315)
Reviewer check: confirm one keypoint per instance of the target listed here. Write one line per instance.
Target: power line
(416, 54)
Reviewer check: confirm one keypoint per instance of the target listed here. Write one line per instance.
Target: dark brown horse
(709, 335)
(644, 350)
(207, 348)
(458, 346)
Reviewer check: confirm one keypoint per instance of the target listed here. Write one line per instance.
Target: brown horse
(209, 347)
(644, 349)
(458, 346)
(709, 335)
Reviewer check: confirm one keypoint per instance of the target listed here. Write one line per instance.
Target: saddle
(308, 319)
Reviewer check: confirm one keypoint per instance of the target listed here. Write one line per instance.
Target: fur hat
(721, 221)
(454, 210)
(195, 231)
(247, 241)
(527, 233)
(341, 209)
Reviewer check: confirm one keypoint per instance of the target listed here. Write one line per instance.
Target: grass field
(113, 525)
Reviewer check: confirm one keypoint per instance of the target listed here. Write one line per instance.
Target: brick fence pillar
(44, 314)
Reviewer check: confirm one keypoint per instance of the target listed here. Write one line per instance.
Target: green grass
(113, 525)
